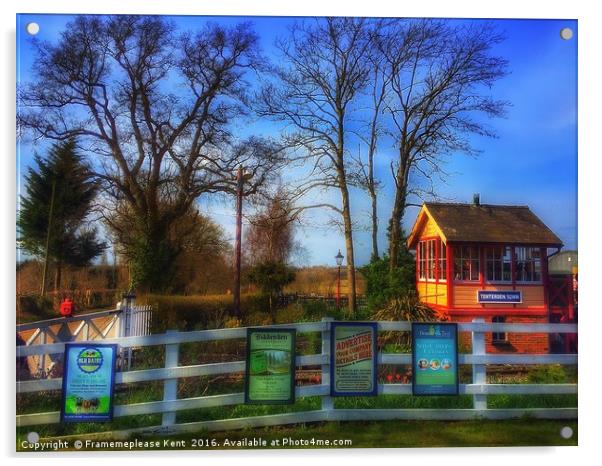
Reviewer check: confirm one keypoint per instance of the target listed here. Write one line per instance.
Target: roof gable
(486, 224)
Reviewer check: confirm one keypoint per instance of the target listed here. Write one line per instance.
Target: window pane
(507, 272)
(457, 267)
(497, 270)
(490, 272)
(474, 272)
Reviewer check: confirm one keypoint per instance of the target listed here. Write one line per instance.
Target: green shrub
(315, 310)
(547, 374)
(187, 313)
(382, 285)
(257, 319)
(291, 313)
(34, 305)
(406, 308)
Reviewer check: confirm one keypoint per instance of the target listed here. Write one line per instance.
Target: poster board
(270, 366)
(434, 359)
(88, 382)
(353, 364)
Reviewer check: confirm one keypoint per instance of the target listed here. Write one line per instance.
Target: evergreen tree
(58, 195)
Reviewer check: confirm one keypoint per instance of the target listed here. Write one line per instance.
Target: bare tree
(378, 90)
(155, 108)
(439, 76)
(270, 236)
(323, 70)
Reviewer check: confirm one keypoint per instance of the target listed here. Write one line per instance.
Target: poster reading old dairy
(353, 366)
(434, 359)
(88, 381)
(270, 377)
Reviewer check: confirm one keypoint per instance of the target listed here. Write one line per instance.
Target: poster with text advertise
(270, 369)
(434, 359)
(88, 381)
(353, 365)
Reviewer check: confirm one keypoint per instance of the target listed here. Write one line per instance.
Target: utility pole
(50, 214)
(237, 244)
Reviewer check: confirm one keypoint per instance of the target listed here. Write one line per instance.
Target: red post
(237, 244)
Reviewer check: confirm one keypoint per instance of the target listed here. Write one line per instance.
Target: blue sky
(533, 161)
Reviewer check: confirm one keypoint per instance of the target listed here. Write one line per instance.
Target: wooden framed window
(442, 261)
(528, 264)
(498, 264)
(499, 337)
(431, 260)
(466, 263)
(421, 261)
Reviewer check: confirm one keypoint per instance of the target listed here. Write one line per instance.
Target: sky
(532, 161)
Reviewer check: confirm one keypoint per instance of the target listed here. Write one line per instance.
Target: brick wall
(537, 343)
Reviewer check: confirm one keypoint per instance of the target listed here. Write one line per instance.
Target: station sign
(499, 297)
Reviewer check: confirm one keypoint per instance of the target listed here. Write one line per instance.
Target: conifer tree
(53, 211)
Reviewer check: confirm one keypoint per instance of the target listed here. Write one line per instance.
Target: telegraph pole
(237, 244)
(47, 249)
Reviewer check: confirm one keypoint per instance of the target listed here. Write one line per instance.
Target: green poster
(353, 364)
(270, 377)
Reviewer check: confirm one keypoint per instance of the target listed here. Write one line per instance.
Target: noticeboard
(88, 381)
(434, 359)
(270, 366)
(353, 359)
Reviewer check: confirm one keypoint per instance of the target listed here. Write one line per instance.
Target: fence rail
(109, 325)
(479, 388)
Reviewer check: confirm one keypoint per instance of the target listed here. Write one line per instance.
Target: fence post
(327, 401)
(42, 357)
(170, 386)
(128, 299)
(479, 371)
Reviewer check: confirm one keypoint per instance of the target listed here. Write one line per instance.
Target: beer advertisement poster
(88, 381)
(270, 369)
(434, 359)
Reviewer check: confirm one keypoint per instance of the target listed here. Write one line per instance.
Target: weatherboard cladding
(491, 224)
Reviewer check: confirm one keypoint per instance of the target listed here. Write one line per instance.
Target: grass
(409, 434)
(382, 434)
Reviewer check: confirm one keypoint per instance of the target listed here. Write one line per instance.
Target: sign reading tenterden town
(499, 297)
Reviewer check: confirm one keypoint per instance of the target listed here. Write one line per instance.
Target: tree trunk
(348, 228)
(375, 254)
(152, 260)
(57, 277)
(399, 206)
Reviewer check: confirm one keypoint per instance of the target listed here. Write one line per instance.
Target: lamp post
(339, 259)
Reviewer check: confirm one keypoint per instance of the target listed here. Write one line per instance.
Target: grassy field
(383, 434)
(408, 434)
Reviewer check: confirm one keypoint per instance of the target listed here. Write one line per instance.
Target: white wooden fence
(130, 320)
(479, 388)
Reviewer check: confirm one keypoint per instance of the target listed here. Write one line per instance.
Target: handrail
(65, 320)
(240, 332)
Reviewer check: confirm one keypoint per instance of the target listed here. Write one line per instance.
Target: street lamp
(339, 259)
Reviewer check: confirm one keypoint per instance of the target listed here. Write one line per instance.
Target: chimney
(476, 199)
